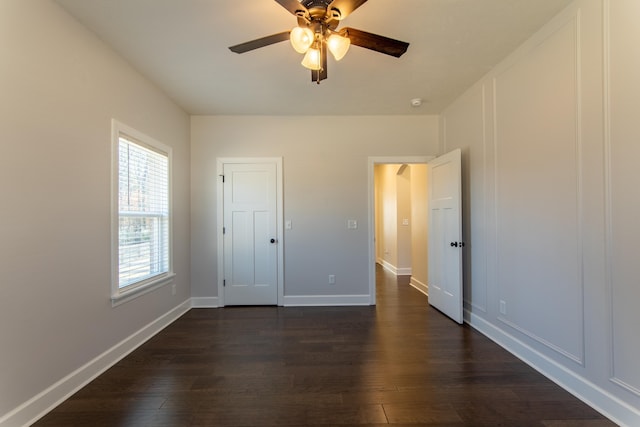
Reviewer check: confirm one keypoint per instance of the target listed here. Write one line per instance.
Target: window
(142, 216)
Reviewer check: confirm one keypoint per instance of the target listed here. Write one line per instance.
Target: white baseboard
(326, 300)
(295, 301)
(39, 405)
(388, 266)
(205, 302)
(398, 271)
(610, 406)
(422, 287)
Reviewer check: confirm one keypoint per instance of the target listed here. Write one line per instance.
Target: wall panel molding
(508, 74)
(620, 132)
(606, 36)
(485, 214)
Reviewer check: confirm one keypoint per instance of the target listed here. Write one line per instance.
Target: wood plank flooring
(400, 362)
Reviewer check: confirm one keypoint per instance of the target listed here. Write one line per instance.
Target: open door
(445, 235)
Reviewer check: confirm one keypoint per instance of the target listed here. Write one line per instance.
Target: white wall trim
(388, 266)
(325, 300)
(610, 406)
(608, 191)
(42, 403)
(205, 302)
(422, 287)
(398, 271)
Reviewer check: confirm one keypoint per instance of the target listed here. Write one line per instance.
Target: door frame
(220, 162)
(372, 162)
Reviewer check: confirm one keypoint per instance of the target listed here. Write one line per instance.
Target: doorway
(398, 218)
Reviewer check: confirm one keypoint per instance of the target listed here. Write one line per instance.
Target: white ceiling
(182, 46)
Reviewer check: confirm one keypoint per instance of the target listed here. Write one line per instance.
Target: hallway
(400, 362)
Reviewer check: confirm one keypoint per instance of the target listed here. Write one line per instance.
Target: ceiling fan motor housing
(311, 4)
(319, 10)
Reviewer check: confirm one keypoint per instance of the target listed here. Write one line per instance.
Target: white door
(445, 235)
(250, 234)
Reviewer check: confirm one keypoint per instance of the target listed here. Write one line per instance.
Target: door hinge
(224, 230)
(222, 178)
(224, 283)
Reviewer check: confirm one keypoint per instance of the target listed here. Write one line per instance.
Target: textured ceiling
(182, 46)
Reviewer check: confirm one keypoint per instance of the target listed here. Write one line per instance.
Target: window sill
(130, 294)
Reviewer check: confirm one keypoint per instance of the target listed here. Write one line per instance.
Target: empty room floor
(400, 362)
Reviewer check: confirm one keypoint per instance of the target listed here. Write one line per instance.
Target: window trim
(134, 290)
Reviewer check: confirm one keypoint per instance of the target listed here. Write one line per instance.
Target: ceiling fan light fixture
(317, 32)
(301, 39)
(312, 59)
(338, 46)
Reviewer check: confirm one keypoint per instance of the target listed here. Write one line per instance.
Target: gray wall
(325, 183)
(59, 89)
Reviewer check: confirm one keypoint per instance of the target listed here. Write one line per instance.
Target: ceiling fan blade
(261, 42)
(294, 7)
(345, 7)
(375, 42)
(319, 75)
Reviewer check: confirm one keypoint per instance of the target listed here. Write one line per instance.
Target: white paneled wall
(537, 196)
(623, 206)
(550, 145)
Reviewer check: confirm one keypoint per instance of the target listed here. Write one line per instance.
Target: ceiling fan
(317, 32)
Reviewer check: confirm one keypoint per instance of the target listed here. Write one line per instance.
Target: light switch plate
(352, 224)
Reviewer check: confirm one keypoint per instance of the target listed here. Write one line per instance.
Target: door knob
(454, 244)
(272, 240)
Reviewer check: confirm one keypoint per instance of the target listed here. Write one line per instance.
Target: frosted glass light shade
(338, 46)
(301, 39)
(312, 59)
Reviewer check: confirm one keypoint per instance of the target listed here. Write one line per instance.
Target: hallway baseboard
(398, 271)
(422, 287)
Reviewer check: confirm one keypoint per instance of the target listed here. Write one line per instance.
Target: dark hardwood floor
(400, 363)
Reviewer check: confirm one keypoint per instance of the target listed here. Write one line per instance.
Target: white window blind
(143, 213)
